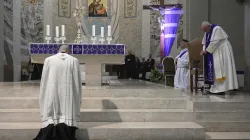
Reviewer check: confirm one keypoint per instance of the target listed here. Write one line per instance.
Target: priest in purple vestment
(219, 65)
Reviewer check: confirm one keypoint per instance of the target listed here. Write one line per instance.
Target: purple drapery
(171, 17)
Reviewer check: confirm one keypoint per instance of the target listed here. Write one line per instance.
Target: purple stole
(208, 60)
(182, 53)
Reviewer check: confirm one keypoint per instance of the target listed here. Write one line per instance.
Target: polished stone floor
(132, 110)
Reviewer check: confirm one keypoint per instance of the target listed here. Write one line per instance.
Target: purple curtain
(171, 17)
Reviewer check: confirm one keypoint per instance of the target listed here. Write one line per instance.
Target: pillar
(1, 40)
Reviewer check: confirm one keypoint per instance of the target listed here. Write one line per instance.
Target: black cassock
(58, 132)
(130, 65)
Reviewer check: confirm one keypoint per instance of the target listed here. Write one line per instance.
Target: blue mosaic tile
(88, 49)
(77, 49)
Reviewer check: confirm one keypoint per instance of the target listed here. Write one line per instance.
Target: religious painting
(98, 8)
(130, 8)
(64, 8)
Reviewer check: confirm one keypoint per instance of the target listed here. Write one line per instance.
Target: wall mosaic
(8, 32)
(32, 19)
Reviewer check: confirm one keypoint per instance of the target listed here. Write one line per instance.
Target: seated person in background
(151, 63)
(182, 76)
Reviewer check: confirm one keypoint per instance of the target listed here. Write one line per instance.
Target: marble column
(17, 40)
(247, 47)
(145, 33)
(1, 40)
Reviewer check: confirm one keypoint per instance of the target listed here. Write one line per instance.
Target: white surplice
(182, 75)
(60, 90)
(224, 65)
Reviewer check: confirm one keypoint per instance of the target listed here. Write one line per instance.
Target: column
(247, 48)
(16, 40)
(193, 19)
(1, 40)
(145, 33)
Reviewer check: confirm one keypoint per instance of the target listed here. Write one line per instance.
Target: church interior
(129, 53)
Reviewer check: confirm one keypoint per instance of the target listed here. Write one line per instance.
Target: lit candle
(47, 30)
(57, 31)
(63, 30)
(102, 31)
(109, 31)
(93, 30)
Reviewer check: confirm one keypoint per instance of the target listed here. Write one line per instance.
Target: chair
(169, 70)
(196, 64)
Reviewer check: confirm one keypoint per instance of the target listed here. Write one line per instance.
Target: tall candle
(47, 30)
(63, 30)
(93, 30)
(102, 31)
(109, 31)
(57, 31)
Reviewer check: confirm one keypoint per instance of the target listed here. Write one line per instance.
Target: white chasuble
(223, 58)
(182, 75)
(60, 90)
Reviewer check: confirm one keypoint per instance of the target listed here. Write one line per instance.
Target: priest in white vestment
(182, 75)
(219, 66)
(60, 90)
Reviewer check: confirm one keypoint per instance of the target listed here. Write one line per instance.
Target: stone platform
(131, 110)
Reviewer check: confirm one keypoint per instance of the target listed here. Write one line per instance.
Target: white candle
(47, 30)
(109, 31)
(63, 30)
(57, 31)
(79, 31)
(93, 30)
(102, 31)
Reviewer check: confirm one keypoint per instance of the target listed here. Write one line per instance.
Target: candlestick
(109, 30)
(47, 30)
(63, 30)
(93, 30)
(102, 32)
(57, 31)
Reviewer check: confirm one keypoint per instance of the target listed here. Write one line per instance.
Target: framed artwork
(130, 8)
(64, 8)
(98, 8)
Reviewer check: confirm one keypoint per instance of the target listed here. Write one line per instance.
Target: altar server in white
(219, 66)
(182, 75)
(61, 89)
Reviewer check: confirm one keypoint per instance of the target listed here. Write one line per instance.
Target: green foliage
(156, 75)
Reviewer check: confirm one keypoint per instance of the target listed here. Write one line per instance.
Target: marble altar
(92, 55)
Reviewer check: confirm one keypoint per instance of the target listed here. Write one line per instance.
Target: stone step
(105, 115)
(105, 79)
(103, 91)
(219, 106)
(227, 135)
(222, 116)
(101, 103)
(113, 131)
(230, 126)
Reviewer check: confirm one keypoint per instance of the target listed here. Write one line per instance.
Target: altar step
(227, 135)
(100, 92)
(105, 115)
(100, 103)
(113, 131)
(223, 116)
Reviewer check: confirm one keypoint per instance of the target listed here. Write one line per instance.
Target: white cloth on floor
(60, 90)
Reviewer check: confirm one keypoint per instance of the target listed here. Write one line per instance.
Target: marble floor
(132, 110)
